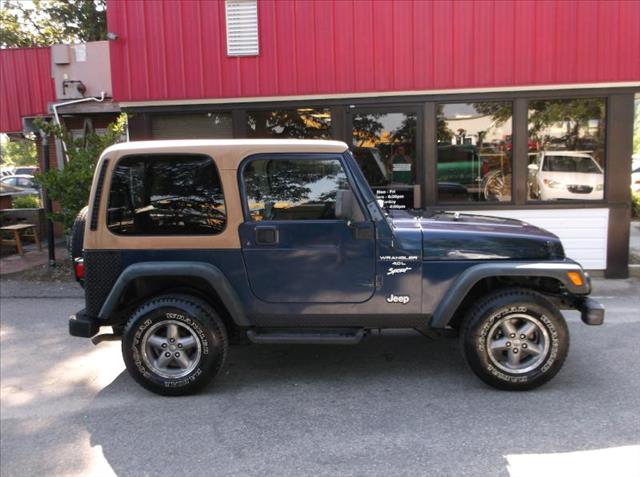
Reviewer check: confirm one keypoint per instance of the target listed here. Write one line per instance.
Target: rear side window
(166, 195)
(293, 189)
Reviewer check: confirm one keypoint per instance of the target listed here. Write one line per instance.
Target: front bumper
(82, 325)
(564, 194)
(591, 311)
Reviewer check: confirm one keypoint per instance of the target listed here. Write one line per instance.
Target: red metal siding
(177, 49)
(26, 86)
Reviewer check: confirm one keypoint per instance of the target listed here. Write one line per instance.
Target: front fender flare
(210, 273)
(472, 275)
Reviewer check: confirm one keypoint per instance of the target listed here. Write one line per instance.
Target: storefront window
(566, 149)
(301, 123)
(192, 126)
(384, 146)
(474, 151)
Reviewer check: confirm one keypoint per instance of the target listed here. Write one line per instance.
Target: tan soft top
(227, 153)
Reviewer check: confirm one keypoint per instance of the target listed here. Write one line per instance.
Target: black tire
(193, 316)
(76, 237)
(484, 339)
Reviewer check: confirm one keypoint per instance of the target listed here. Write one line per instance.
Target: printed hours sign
(396, 198)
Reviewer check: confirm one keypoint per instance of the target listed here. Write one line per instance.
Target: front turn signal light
(576, 278)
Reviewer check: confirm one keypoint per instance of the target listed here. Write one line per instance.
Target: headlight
(600, 187)
(553, 184)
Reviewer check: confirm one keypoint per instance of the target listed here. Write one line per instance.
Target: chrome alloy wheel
(171, 349)
(518, 343)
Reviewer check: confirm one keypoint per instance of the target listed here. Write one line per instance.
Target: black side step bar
(312, 336)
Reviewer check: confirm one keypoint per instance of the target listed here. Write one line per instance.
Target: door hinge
(378, 281)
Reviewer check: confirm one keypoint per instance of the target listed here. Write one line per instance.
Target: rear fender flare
(210, 273)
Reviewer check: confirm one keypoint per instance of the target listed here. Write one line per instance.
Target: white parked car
(572, 175)
(23, 182)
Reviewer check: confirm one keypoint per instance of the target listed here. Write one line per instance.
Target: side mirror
(347, 207)
(533, 167)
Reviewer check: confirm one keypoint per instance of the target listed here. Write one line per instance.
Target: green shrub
(70, 187)
(26, 202)
(635, 205)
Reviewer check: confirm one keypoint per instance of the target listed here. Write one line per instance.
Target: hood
(452, 236)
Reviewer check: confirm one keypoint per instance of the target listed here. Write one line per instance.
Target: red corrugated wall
(177, 49)
(25, 85)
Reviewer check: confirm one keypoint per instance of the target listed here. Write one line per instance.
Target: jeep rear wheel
(174, 344)
(515, 339)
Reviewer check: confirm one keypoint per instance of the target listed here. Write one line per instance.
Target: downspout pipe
(67, 103)
(48, 206)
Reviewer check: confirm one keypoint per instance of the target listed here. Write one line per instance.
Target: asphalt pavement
(397, 404)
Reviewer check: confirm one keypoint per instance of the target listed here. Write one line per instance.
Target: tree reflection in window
(166, 195)
(384, 146)
(568, 124)
(293, 189)
(567, 149)
(301, 123)
(474, 151)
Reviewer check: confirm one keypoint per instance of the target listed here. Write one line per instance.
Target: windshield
(571, 164)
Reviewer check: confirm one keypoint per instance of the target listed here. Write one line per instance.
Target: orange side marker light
(576, 278)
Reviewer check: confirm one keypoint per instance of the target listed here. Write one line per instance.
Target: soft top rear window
(166, 195)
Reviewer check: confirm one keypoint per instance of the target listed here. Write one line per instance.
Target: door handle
(266, 235)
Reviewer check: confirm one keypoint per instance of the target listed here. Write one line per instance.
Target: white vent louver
(242, 27)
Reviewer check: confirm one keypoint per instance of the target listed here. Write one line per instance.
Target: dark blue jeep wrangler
(186, 245)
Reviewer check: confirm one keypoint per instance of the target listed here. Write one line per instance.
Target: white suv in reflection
(560, 175)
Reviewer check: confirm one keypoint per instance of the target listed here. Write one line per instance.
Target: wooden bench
(29, 230)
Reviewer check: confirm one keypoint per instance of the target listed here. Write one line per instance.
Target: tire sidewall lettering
(480, 340)
(156, 316)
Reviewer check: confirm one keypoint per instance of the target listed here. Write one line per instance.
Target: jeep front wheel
(515, 339)
(174, 344)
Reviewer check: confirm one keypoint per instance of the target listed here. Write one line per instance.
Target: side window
(298, 189)
(166, 195)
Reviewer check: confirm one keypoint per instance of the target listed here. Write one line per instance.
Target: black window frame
(424, 103)
(246, 213)
(168, 155)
